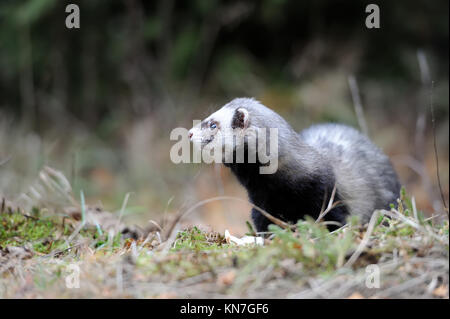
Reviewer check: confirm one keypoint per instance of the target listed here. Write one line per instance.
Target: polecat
(310, 164)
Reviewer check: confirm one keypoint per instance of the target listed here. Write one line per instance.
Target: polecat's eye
(212, 125)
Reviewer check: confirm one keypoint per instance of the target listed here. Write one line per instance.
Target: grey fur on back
(364, 175)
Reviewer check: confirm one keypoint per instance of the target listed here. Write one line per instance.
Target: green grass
(195, 239)
(291, 258)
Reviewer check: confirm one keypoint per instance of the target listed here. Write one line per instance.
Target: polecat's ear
(240, 119)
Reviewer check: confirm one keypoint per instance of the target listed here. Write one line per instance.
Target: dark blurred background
(98, 103)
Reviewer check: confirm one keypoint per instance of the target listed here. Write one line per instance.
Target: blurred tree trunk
(27, 94)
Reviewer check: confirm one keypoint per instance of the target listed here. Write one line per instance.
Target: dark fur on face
(238, 120)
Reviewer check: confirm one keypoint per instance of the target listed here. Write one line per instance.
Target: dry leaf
(355, 295)
(167, 295)
(441, 291)
(227, 278)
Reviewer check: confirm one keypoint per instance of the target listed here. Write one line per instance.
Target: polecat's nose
(190, 135)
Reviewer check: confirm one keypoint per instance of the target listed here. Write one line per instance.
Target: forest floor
(83, 251)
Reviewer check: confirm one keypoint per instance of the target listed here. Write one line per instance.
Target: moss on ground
(293, 262)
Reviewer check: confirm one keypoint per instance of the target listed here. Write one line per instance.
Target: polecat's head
(221, 128)
(242, 124)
